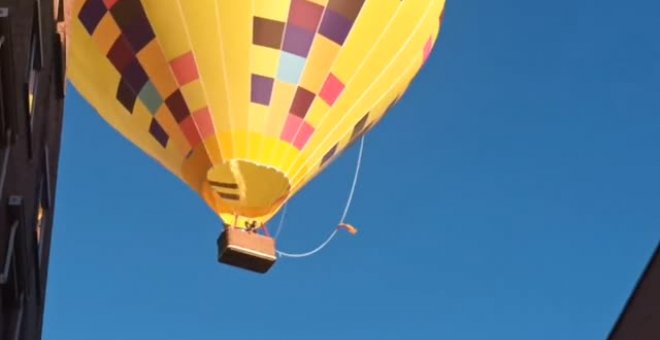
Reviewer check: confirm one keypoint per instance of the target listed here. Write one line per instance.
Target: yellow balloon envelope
(246, 101)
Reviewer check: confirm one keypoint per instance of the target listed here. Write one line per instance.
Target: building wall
(640, 318)
(32, 86)
(32, 66)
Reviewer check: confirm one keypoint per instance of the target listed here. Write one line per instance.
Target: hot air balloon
(247, 101)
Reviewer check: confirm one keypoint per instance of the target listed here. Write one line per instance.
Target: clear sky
(529, 144)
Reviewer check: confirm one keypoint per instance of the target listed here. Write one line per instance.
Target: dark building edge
(32, 62)
(32, 166)
(640, 317)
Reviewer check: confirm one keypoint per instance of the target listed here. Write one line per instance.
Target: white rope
(343, 216)
(281, 223)
(354, 185)
(312, 252)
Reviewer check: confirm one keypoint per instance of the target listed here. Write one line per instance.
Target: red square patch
(304, 134)
(331, 90)
(190, 131)
(204, 122)
(184, 68)
(291, 126)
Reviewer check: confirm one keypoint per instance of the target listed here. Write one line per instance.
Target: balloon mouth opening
(245, 190)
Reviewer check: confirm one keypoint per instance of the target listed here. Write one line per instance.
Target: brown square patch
(348, 8)
(267, 32)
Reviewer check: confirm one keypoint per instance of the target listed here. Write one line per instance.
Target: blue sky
(530, 146)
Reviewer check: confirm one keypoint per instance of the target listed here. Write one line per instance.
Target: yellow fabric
(247, 101)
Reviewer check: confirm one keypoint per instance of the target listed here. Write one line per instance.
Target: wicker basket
(246, 250)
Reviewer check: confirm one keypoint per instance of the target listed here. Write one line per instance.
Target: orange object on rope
(351, 229)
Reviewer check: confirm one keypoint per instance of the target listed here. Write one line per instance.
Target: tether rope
(281, 223)
(343, 216)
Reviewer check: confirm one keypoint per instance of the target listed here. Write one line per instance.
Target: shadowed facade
(31, 106)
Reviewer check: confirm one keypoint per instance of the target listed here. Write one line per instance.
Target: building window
(13, 275)
(58, 10)
(36, 59)
(43, 206)
(41, 219)
(7, 87)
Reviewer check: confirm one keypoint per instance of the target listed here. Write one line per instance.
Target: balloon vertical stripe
(248, 101)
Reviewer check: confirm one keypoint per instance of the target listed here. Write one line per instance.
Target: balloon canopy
(247, 101)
